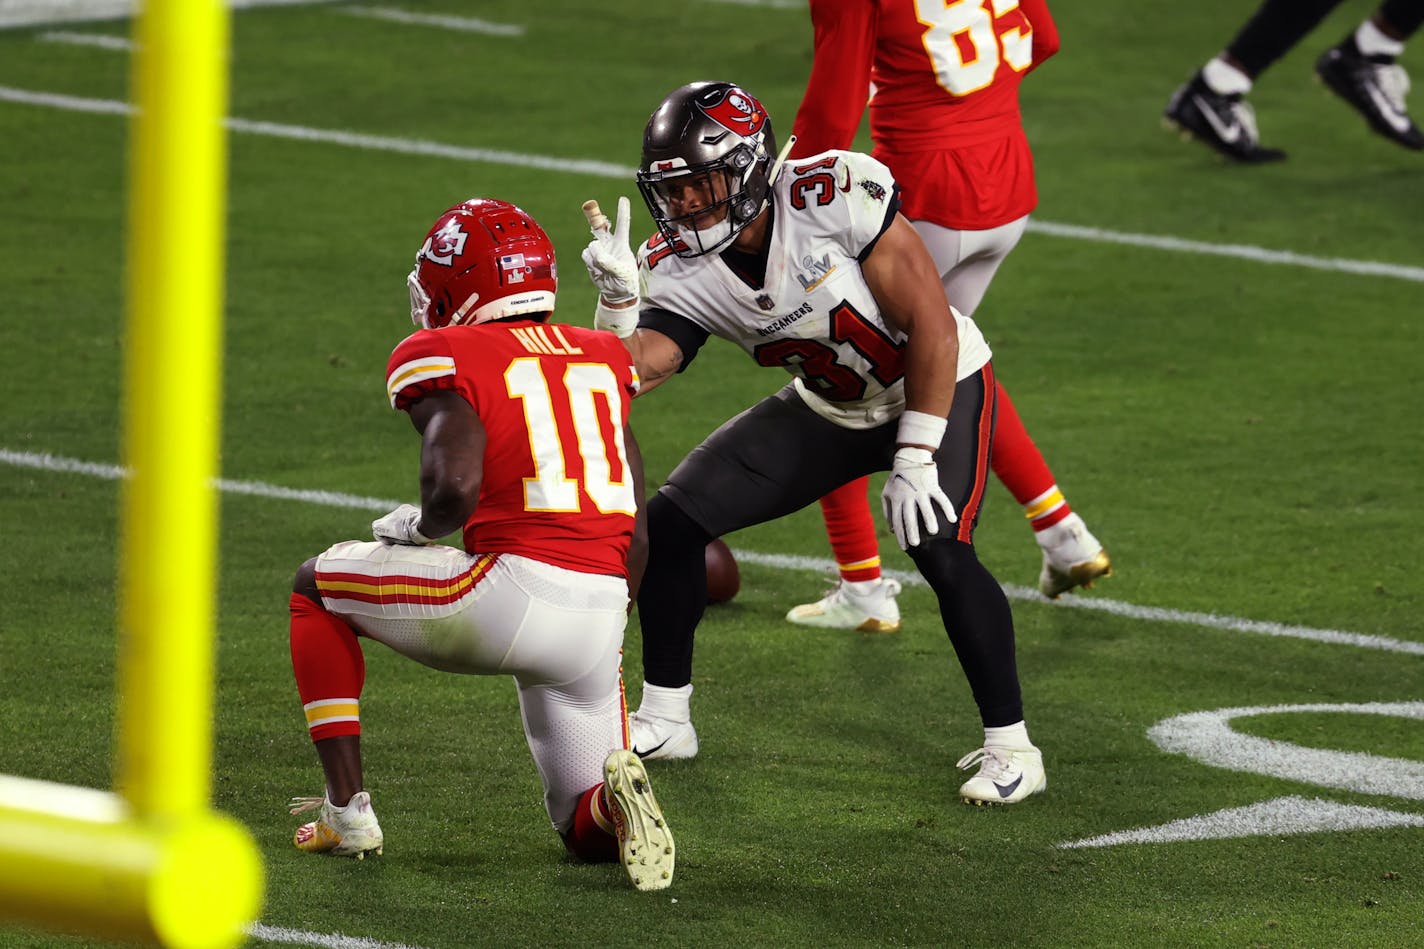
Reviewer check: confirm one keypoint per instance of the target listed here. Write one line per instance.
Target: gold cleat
(873, 612)
(1052, 582)
(1072, 557)
(350, 831)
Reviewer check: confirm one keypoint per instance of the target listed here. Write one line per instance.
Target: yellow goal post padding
(151, 861)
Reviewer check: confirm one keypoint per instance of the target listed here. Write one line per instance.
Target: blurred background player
(1360, 69)
(942, 82)
(525, 444)
(809, 267)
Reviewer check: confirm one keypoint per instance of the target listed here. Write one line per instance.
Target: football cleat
(1072, 557)
(1227, 123)
(843, 608)
(350, 831)
(1005, 775)
(653, 737)
(645, 846)
(1375, 86)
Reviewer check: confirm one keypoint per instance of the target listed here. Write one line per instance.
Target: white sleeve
(871, 198)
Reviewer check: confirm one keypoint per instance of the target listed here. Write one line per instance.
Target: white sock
(660, 701)
(1225, 79)
(862, 587)
(1372, 41)
(1008, 736)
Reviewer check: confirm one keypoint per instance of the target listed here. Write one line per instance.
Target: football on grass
(723, 578)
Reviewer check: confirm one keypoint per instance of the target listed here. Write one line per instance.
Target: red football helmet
(483, 260)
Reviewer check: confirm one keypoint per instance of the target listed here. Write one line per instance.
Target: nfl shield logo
(765, 302)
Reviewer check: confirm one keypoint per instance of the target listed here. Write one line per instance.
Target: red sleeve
(422, 363)
(1045, 31)
(839, 87)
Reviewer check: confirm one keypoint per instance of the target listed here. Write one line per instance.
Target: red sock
(852, 531)
(1019, 465)
(592, 837)
(330, 669)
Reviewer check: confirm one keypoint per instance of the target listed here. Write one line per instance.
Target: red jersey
(942, 81)
(554, 401)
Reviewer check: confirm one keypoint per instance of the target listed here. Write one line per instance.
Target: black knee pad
(669, 528)
(944, 562)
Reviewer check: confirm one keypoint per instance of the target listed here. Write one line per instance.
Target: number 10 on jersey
(598, 432)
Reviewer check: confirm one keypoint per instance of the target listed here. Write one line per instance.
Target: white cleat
(1072, 557)
(1005, 775)
(645, 846)
(843, 608)
(653, 738)
(350, 831)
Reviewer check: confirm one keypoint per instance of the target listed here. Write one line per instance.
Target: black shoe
(1226, 123)
(1375, 86)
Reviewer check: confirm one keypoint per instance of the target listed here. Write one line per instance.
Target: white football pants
(968, 260)
(558, 632)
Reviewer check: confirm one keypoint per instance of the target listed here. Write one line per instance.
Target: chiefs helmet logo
(446, 244)
(737, 112)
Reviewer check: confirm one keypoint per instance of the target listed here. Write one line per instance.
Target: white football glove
(911, 493)
(401, 526)
(611, 264)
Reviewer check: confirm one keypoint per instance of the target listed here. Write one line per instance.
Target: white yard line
(22, 13)
(767, 4)
(461, 23)
(379, 143)
(624, 174)
(1260, 255)
(100, 40)
(299, 937)
(1152, 614)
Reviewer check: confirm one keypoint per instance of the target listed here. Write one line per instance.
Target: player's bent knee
(669, 528)
(305, 582)
(943, 562)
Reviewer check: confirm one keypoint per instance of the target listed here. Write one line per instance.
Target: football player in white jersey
(809, 267)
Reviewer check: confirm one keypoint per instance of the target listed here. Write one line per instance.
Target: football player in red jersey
(942, 80)
(808, 267)
(525, 445)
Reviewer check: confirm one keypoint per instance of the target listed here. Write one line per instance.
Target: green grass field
(1243, 435)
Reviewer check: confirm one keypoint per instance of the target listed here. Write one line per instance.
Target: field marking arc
(600, 169)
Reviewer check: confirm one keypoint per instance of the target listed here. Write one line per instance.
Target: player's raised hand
(609, 258)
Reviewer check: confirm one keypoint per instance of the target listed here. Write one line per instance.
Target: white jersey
(814, 315)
